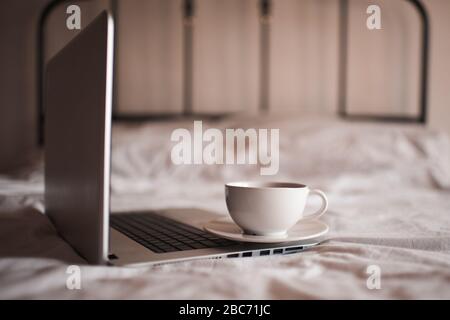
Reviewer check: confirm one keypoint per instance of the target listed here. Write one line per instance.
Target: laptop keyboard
(161, 234)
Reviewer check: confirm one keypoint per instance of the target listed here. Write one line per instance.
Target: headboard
(265, 12)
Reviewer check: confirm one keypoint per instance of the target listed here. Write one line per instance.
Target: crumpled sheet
(389, 192)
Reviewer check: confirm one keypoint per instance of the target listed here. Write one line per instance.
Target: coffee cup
(270, 208)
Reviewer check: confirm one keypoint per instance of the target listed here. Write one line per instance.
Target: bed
(389, 192)
(388, 185)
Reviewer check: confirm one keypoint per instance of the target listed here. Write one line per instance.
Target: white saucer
(226, 228)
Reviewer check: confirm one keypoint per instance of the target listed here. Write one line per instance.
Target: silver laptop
(78, 101)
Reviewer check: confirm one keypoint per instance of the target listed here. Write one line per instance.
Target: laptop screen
(77, 100)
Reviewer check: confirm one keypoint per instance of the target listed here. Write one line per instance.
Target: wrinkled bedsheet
(389, 192)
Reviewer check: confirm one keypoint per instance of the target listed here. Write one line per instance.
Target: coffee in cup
(270, 208)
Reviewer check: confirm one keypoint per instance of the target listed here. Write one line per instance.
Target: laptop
(78, 101)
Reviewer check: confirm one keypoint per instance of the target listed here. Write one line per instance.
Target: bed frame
(343, 57)
(265, 13)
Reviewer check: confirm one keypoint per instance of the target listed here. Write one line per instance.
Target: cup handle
(322, 209)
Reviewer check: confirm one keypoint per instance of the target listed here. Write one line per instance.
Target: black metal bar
(422, 117)
(382, 118)
(143, 117)
(264, 81)
(188, 61)
(425, 58)
(114, 11)
(343, 57)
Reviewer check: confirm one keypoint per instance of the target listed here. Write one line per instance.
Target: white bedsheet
(389, 192)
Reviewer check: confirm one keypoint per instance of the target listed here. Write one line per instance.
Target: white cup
(269, 208)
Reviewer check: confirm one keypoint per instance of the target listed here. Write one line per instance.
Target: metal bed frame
(343, 63)
(265, 13)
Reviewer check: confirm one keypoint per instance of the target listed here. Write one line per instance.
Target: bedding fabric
(389, 193)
